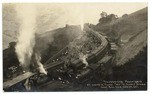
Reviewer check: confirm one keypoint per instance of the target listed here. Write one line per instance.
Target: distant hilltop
(129, 32)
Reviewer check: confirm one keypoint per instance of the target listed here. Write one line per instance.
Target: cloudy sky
(89, 12)
(54, 15)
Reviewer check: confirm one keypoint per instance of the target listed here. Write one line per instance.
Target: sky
(55, 15)
(90, 12)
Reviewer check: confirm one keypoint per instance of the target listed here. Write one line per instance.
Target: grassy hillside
(131, 29)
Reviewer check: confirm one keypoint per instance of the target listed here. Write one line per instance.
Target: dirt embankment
(130, 30)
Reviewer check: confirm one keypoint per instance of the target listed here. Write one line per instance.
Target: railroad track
(96, 54)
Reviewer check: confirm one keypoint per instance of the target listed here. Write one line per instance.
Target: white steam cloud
(26, 39)
(40, 66)
(83, 58)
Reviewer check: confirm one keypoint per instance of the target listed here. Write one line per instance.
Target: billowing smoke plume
(26, 39)
(40, 66)
(83, 58)
(82, 22)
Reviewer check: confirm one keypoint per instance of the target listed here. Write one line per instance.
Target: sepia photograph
(88, 46)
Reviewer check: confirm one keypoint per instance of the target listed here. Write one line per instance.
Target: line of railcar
(77, 65)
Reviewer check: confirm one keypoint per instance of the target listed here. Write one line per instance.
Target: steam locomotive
(76, 71)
